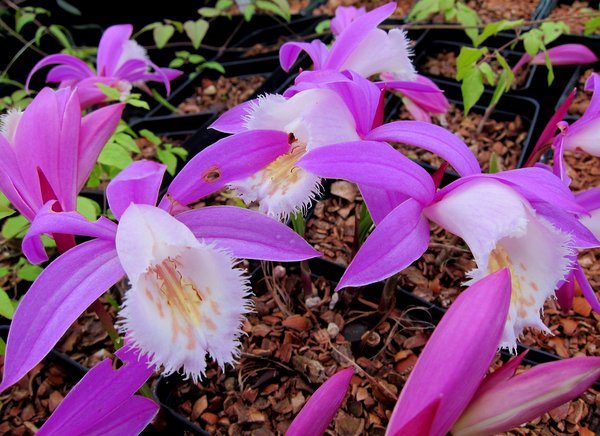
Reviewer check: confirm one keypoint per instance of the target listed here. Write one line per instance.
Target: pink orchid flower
(524, 220)
(366, 50)
(335, 108)
(184, 291)
(448, 390)
(104, 401)
(344, 15)
(48, 150)
(564, 54)
(121, 63)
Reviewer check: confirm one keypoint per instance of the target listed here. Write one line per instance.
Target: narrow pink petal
(425, 96)
(229, 159)
(422, 422)
(381, 201)
(23, 192)
(464, 352)
(139, 183)
(319, 411)
(527, 396)
(233, 120)
(566, 54)
(566, 292)
(432, 138)
(247, 234)
(502, 374)
(581, 236)
(355, 33)
(96, 129)
(111, 47)
(104, 398)
(586, 288)
(82, 69)
(550, 130)
(590, 199)
(400, 239)
(416, 111)
(54, 301)
(70, 223)
(60, 73)
(370, 163)
(344, 15)
(316, 50)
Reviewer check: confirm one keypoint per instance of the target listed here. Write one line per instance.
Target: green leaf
(494, 163)
(591, 26)
(196, 59)
(68, 7)
(7, 310)
(447, 4)
(5, 209)
(209, 12)
(88, 208)
(126, 141)
(21, 19)
(48, 242)
(15, 227)
(365, 224)
(176, 63)
(195, 30)
(548, 63)
(323, 26)
(115, 156)
(468, 17)
(298, 224)
(169, 159)
(177, 24)
(501, 87)
(249, 12)
(59, 33)
(486, 70)
(29, 272)
(162, 33)
(532, 41)
(150, 136)
(214, 66)
(2, 347)
(467, 58)
(552, 30)
(111, 93)
(284, 7)
(183, 54)
(181, 152)
(138, 103)
(498, 26)
(423, 9)
(223, 4)
(41, 31)
(472, 88)
(4, 271)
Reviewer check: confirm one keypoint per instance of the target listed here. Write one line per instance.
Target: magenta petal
(431, 138)
(96, 129)
(22, 192)
(55, 300)
(381, 201)
(229, 159)
(61, 73)
(103, 400)
(319, 411)
(355, 33)
(70, 223)
(289, 52)
(566, 292)
(138, 183)
(589, 199)
(464, 352)
(586, 288)
(422, 422)
(233, 121)
(247, 234)
(527, 395)
(566, 54)
(502, 374)
(400, 239)
(370, 163)
(80, 67)
(111, 47)
(344, 15)
(581, 236)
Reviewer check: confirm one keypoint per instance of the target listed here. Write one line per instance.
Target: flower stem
(389, 290)
(107, 323)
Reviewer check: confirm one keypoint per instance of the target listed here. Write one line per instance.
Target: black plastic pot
(528, 109)
(549, 6)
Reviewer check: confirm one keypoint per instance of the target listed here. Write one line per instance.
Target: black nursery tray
(550, 5)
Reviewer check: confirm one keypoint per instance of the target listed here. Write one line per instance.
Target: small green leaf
(4, 271)
(2, 347)
(115, 156)
(366, 222)
(181, 152)
(176, 63)
(323, 26)
(209, 12)
(467, 58)
(223, 4)
(111, 93)
(126, 141)
(532, 41)
(183, 54)
(195, 30)
(249, 12)
(169, 159)
(214, 66)
(15, 227)
(21, 19)
(41, 31)
(162, 33)
(548, 63)
(472, 88)
(494, 163)
(60, 33)
(468, 17)
(498, 26)
(150, 136)
(68, 7)
(486, 70)
(88, 208)
(591, 26)
(423, 9)
(7, 309)
(274, 8)
(447, 4)
(298, 224)
(196, 59)
(552, 30)
(138, 103)
(30, 272)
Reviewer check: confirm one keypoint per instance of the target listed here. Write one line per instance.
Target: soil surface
(403, 8)
(575, 15)
(221, 94)
(494, 10)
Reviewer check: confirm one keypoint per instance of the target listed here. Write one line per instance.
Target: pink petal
(464, 352)
(431, 138)
(381, 201)
(586, 288)
(54, 301)
(319, 411)
(247, 234)
(316, 50)
(422, 423)
(370, 163)
(566, 292)
(229, 159)
(138, 183)
(23, 192)
(104, 401)
(566, 54)
(400, 239)
(527, 395)
(233, 120)
(344, 15)
(110, 48)
(79, 67)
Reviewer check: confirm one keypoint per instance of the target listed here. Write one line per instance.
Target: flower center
(283, 172)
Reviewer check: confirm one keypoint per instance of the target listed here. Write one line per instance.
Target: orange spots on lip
(210, 324)
(534, 286)
(215, 307)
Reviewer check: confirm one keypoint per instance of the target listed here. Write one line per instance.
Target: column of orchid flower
(187, 299)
